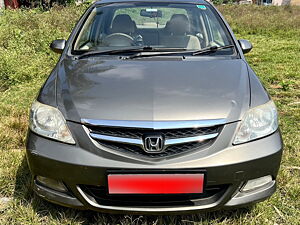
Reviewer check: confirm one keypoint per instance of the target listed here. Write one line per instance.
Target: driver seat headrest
(123, 23)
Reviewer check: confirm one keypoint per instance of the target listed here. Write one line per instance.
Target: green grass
(25, 62)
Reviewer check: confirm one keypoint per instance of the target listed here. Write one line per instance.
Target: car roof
(171, 1)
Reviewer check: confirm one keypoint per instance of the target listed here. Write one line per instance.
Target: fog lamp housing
(256, 183)
(51, 183)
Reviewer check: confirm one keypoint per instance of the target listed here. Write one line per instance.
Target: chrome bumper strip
(156, 125)
(140, 141)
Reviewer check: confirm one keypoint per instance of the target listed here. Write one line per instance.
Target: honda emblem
(153, 144)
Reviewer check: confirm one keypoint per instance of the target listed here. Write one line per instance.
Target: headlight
(48, 121)
(258, 122)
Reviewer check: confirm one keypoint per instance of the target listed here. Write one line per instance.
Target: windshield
(156, 25)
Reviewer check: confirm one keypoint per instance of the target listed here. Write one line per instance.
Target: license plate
(155, 183)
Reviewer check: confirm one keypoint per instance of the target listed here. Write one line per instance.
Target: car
(152, 108)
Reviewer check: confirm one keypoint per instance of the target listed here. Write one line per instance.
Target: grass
(25, 62)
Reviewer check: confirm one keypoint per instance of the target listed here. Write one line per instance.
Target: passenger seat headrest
(178, 24)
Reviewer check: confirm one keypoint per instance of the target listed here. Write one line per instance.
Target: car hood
(153, 90)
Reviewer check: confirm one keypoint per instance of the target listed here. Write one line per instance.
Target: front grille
(171, 150)
(99, 195)
(167, 133)
(129, 140)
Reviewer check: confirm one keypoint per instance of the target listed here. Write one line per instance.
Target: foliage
(45, 4)
(24, 39)
(218, 2)
(25, 62)
(271, 20)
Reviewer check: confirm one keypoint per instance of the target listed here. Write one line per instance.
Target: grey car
(152, 108)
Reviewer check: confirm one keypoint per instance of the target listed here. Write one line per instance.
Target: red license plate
(155, 183)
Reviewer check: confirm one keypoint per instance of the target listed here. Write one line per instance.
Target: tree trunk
(12, 4)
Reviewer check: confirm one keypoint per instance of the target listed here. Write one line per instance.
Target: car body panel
(228, 156)
(232, 165)
(258, 95)
(150, 90)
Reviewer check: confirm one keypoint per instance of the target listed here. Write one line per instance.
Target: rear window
(147, 22)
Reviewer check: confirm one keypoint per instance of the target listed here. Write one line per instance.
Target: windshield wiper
(115, 51)
(129, 50)
(148, 51)
(157, 52)
(211, 49)
(178, 51)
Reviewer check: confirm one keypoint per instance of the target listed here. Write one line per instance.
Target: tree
(45, 4)
(12, 4)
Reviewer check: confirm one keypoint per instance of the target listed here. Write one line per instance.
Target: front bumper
(228, 168)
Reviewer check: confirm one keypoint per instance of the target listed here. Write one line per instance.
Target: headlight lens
(258, 122)
(48, 121)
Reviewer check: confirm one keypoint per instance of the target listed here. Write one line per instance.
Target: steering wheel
(119, 40)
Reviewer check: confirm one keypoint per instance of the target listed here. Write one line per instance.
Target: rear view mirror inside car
(152, 13)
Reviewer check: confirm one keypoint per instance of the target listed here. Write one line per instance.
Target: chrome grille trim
(176, 141)
(156, 125)
(117, 139)
(139, 142)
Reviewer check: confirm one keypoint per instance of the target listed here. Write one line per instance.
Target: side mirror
(58, 46)
(245, 45)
